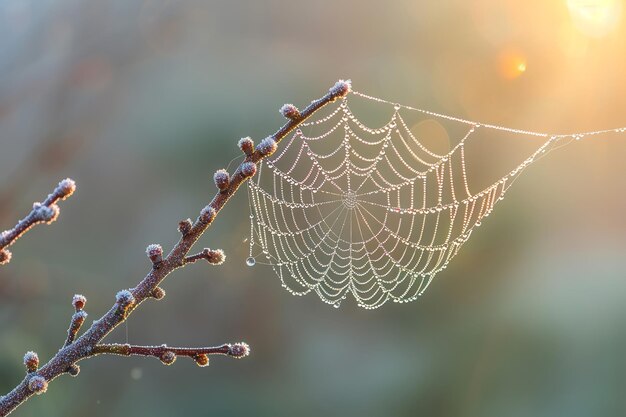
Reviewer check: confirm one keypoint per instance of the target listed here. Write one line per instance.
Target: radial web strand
(343, 208)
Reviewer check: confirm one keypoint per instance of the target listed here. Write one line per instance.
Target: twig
(46, 212)
(212, 256)
(78, 318)
(168, 355)
(127, 301)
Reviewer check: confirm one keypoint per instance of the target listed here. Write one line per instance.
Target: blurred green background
(141, 101)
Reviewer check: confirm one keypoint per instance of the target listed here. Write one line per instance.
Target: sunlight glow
(595, 18)
(511, 63)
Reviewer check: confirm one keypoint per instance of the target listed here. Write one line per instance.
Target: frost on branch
(90, 343)
(168, 358)
(46, 212)
(168, 355)
(31, 361)
(290, 111)
(184, 226)
(38, 384)
(246, 145)
(75, 324)
(66, 188)
(78, 318)
(78, 302)
(124, 299)
(222, 179)
(341, 88)
(267, 146)
(248, 169)
(207, 214)
(155, 253)
(239, 350)
(212, 256)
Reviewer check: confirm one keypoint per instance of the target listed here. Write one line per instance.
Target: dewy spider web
(342, 208)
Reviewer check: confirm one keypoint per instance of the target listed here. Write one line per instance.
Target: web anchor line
(348, 210)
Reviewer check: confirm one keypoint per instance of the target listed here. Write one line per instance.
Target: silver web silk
(344, 209)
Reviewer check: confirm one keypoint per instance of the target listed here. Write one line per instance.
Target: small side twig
(168, 355)
(46, 212)
(212, 256)
(78, 318)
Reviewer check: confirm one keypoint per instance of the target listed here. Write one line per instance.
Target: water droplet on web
(250, 261)
(337, 304)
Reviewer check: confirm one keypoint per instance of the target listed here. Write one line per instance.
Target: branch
(78, 318)
(168, 355)
(46, 212)
(127, 301)
(212, 256)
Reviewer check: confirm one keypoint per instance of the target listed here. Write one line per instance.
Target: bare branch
(212, 256)
(168, 355)
(78, 301)
(46, 212)
(89, 343)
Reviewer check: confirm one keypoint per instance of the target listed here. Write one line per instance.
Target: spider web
(344, 208)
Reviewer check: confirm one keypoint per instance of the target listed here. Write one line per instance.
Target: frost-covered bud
(38, 384)
(124, 299)
(207, 214)
(201, 360)
(168, 357)
(341, 88)
(73, 370)
(155, 253)
(290, 111)
(52, 213)
(267, 146)
(79, 318)
(184, 226)
(222, 179)
(246, 145)
(66, 188)
(248, 169)
(214, 256)
(46, 214)
(79, 301)
(31, 361)
(5, 256)
(158, 293)
(239, 350)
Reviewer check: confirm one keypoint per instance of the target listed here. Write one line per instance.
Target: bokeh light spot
(511, 63)
(433, 135)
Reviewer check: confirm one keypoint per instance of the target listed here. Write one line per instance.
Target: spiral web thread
(349, 209)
